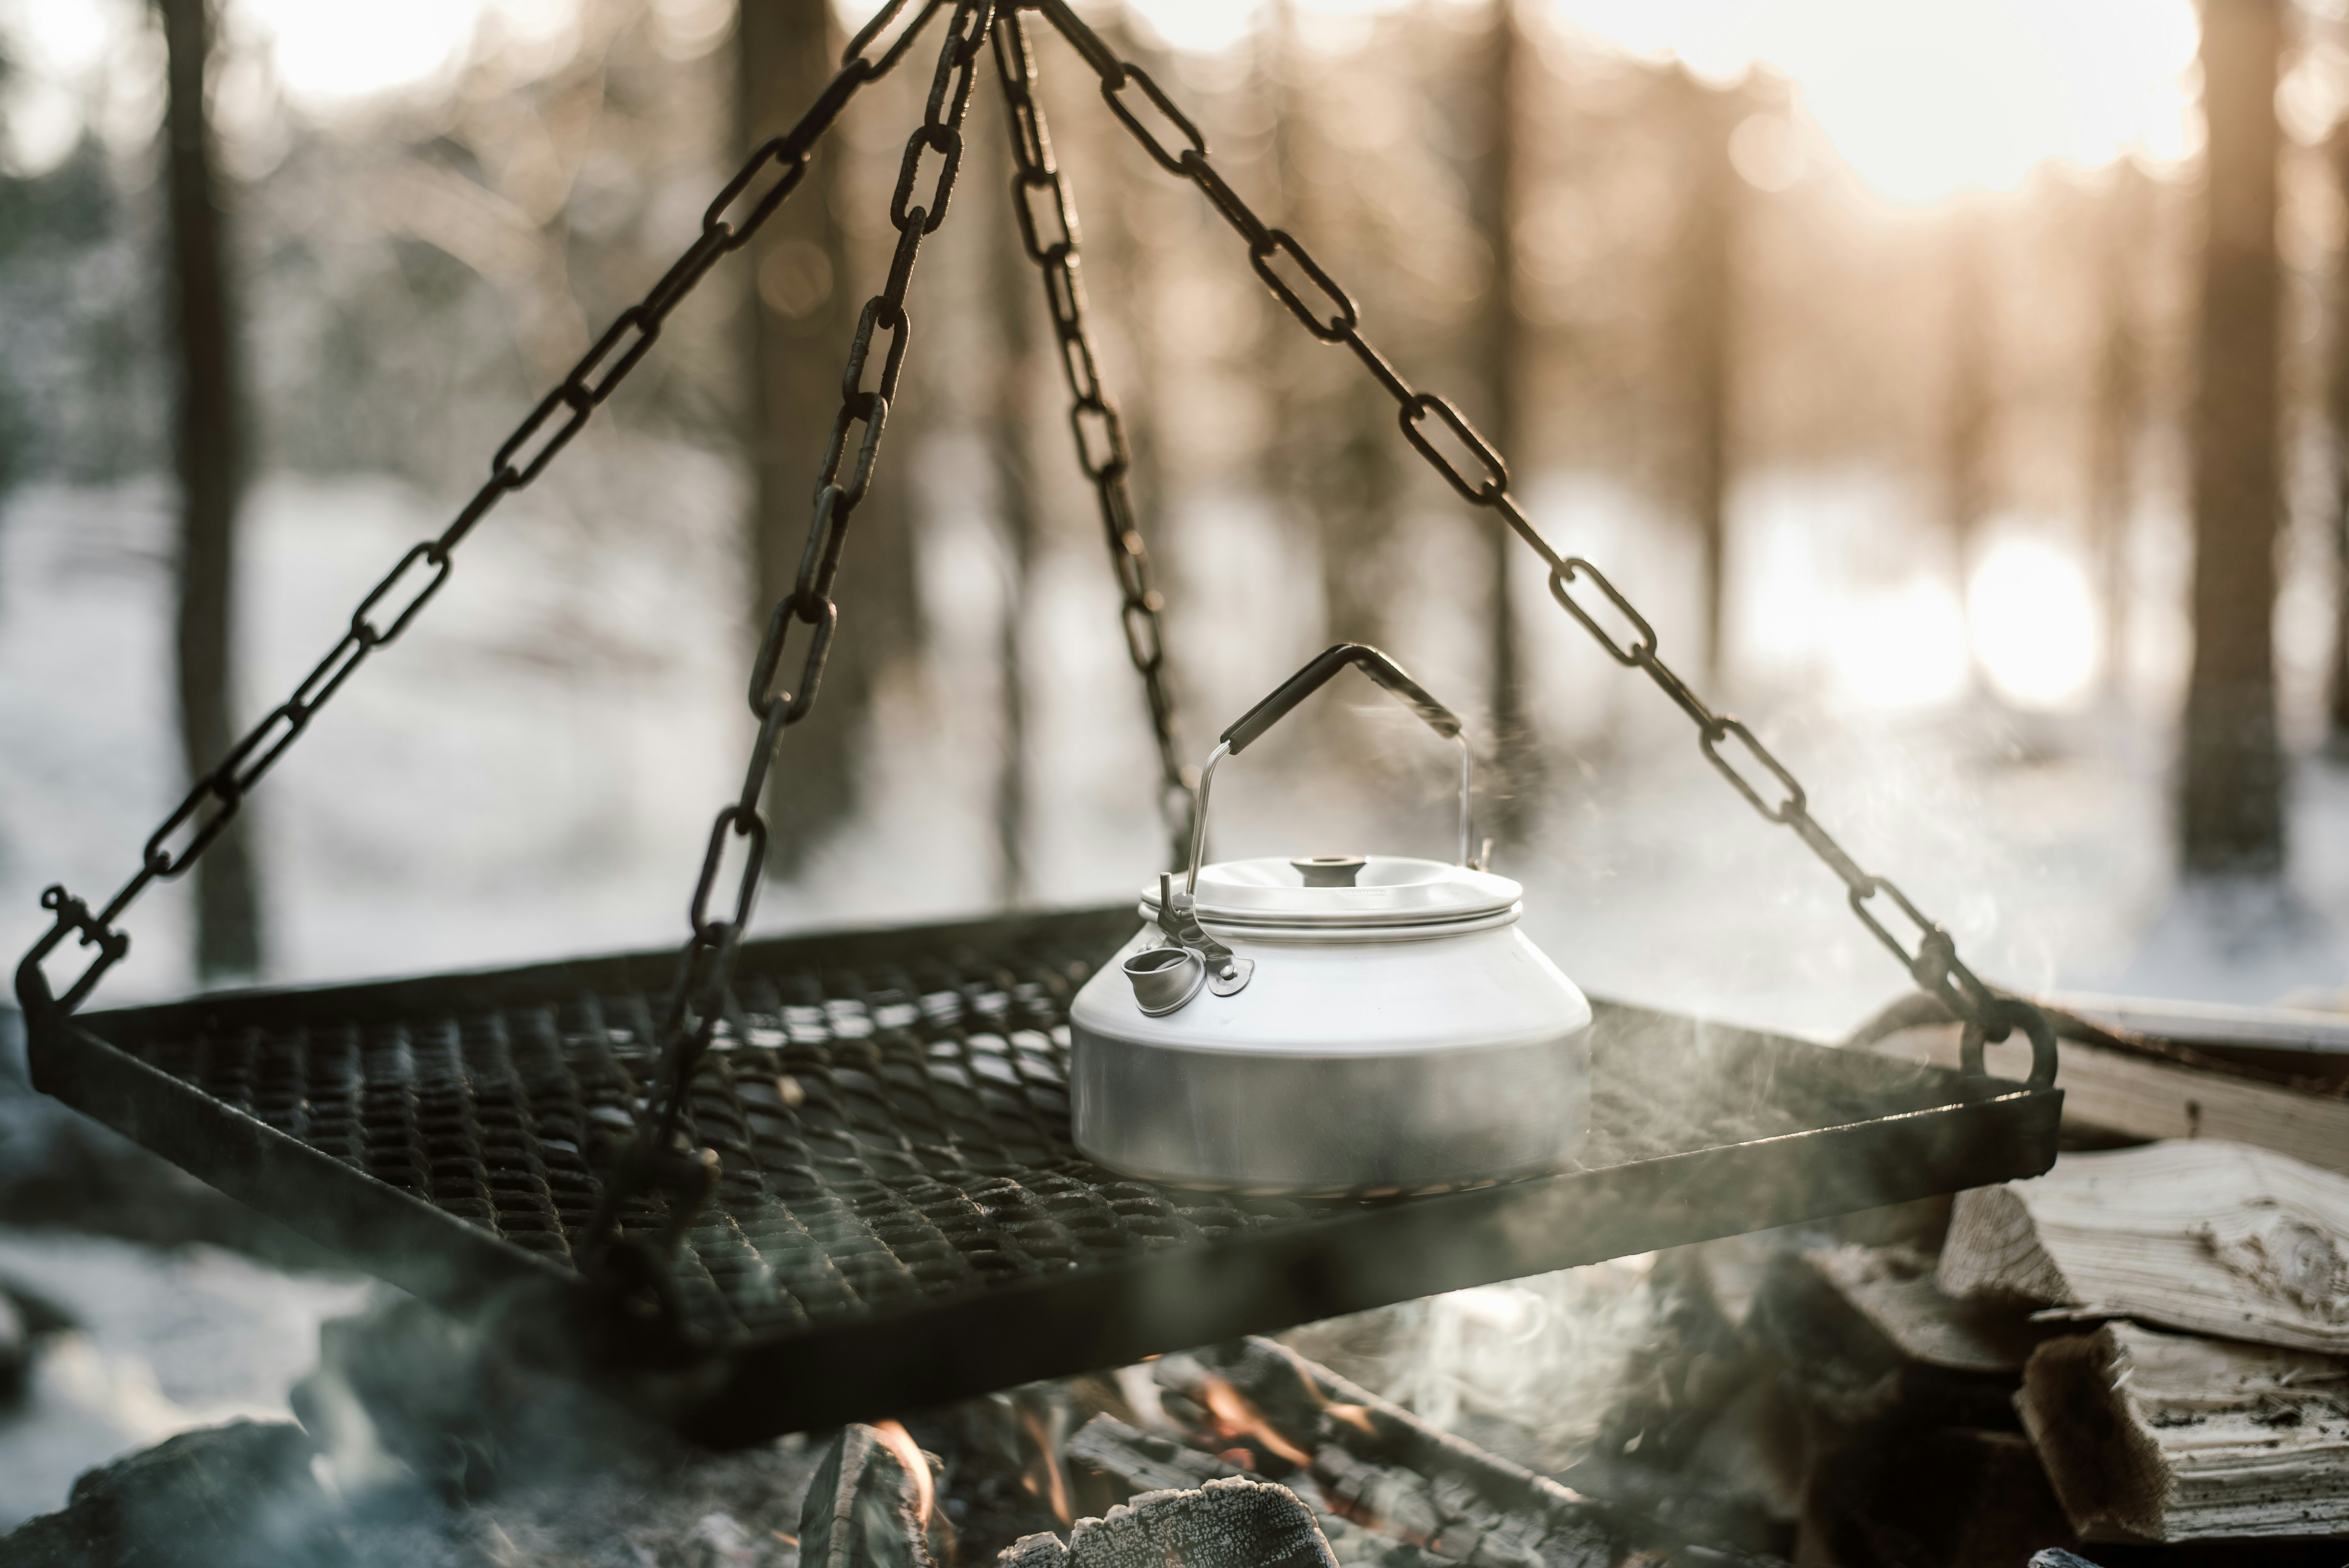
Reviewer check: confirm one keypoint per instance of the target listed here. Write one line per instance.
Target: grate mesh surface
(888, 1131)
(900, 1215)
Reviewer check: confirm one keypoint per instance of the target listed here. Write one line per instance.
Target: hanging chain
(770, 174)
(1051, 238)
(1331, 316)
(705, 966)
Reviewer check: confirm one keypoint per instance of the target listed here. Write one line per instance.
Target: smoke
(1544, 1356)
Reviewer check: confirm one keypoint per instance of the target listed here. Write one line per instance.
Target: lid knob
(1328, 871)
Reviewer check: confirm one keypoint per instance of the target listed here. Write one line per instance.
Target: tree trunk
(804, 303)
(1706, 317)
(2119, 397)
(1500, 363)
(210, 460)
(2233, 796)
(1967, 411)
(1009, 419)
(2336, 409)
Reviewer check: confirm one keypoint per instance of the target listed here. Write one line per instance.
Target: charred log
(869, 1504)
(1226, 1523)
(1445, 1493)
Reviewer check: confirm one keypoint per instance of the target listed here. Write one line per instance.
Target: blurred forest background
(1958, 388)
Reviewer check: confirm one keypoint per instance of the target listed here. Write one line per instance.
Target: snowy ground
(530, 770)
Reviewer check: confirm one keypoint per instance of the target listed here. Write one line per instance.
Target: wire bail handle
(1285, 697)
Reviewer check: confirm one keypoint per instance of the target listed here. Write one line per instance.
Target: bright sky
(1922, 97)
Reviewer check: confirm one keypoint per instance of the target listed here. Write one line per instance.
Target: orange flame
(900, 1442)
(1236, 1417)
(1055, 1478)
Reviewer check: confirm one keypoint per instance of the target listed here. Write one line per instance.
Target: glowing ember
(1236, 1417)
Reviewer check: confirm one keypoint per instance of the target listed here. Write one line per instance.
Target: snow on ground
(530, 769)
(165, 1340)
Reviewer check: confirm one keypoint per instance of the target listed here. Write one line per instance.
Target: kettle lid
(1383, 891)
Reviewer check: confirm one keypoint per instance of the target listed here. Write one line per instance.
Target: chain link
(769, 176)
(1933, 962)
(1093, 417)
(705, 966)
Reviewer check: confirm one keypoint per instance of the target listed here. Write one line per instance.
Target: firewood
(1954, 1497)
(2110, 1091)
(867, 1508)
(1869, 1339)
(1226, 1523)
(2171, 1438)
(1893, 1290)
(2214, 1238)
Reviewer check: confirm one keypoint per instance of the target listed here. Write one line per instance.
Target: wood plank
(2172, 1437)
(2114, 1092)
(2213, 1238)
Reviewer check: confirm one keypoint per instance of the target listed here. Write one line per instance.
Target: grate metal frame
(901, 1219)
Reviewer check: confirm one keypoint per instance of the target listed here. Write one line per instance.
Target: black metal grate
(899, 1189)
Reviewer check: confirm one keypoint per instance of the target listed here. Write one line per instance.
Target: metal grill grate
(900, 1217)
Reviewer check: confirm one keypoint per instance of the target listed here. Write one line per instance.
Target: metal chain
(705, 966)
(1332, 317)
(769, 176)
(1051, 241)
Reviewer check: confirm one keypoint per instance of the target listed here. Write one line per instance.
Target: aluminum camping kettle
(1333, 1023)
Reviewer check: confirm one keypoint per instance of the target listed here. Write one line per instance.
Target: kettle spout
(1164, 978)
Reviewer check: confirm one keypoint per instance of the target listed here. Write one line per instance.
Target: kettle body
(1397, 1035)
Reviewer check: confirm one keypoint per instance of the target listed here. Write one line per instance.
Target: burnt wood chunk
(1894, 1292)
(2173, 1437)
(1042, 1550)
(242, 1492)
(2210, 1238)
(1140, 1462)
(1953, 1497)
(1233, 1522)
(864, 1508)
(1400, 1475)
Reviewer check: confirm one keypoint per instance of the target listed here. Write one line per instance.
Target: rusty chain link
(770, 175)
(1934, 964)
(1093, 417)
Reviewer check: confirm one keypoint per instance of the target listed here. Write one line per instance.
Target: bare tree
(2336, 409)
(1968, 409)
(2232, 804)
(211, 454)
(1705, 319)
(2118, 411)
(1009, 422)
(1500, 366)
(805, 306)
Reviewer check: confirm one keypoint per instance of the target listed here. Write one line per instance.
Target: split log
(2180, 1093)
(2172, 1437)
(1869, 1338)
(1226, 1523)
(2213, 1238)
(867, 1507)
